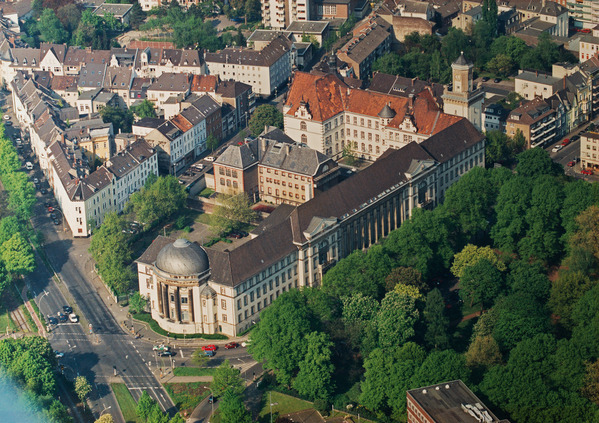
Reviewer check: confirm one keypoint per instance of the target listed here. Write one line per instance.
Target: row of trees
(379, 326)
(148, 411)
(66, 21)
(158, 200)
(30, 363)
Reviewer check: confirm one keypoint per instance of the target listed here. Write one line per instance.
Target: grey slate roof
(92, 75)
(293, 158)
(239, 156)
(268, 56)
(308, 27)
(118, 10)
(176, 82)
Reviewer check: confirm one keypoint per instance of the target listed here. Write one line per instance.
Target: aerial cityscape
(316, 211)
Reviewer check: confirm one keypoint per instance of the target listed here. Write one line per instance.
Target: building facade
(463, 99)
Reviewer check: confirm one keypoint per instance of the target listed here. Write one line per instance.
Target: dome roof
(182, 258)
(387, 112)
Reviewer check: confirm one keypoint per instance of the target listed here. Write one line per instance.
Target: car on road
(62, 317)
(566, 141)
(166, 353)
(161, 347)
(52, 320)
(571, 163)
(73, 318)
(52, 216)
(209, 348)
(67, 309)
(209, 159)
(575, 138)
(586, 172)
(59, 354)
(231, 345)
(557, 148)
(485, 78)
(36, 181)
(210, 399)
(29, 166)
(56, 222)
(43, 191)
(47, 204)
(496, 80)
(209, 353)
(6, 117)
(50, 209)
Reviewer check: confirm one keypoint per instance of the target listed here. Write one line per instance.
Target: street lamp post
(41, 298)
(107, 408)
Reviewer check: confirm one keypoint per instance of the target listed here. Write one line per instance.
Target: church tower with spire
(462, 99)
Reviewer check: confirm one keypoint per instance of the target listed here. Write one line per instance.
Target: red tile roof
(326, 96)
(181, 123)
(204, 83)
(152, 44)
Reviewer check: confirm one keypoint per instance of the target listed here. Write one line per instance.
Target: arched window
(304, 139)
(303, 126)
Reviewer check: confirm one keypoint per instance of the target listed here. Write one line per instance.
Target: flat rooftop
(309, 27)
(452, 402)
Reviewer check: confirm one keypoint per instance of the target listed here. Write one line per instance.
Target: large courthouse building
(193, 289)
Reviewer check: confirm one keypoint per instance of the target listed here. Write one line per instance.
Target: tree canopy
(264, 115)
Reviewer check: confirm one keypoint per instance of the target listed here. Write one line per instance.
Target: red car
(571, 163)
(209, 348)
(50, 209)
(566, 141)
(587, 172)
(231, 345)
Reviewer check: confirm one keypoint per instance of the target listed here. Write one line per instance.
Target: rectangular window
(223, 304)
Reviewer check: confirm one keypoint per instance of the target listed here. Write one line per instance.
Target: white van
(28, 166)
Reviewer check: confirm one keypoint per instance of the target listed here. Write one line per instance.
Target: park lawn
(284, 404)
(194, 371)
(126, 402)
(5, 320)
(203, 218)
(187, 396)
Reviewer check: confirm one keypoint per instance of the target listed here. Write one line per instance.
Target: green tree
(252, 10)
(121, 119)
(105, 418)
(232, 410)
(145, 109)
(535, 162)
(441, 366)
(9, 226)
(483, 352)
(144, 406)
(501, 65)
(158, 200)
(82, 388)
(470, 255)
(437, 324)
(227, 378)
(69, 16)
(530, 279)
(389, 63)
(17, 255)
(405, 276)
(496, 149)
(136, 16)
(279, 336)
(513, 202)
(315, 370)
(264, 115)
(212, 142)
(137, 302)
(586, 235)
(396, 319)
(232, 213)
(590, 388)
(50, 28)
(565, 293)
(481, 282)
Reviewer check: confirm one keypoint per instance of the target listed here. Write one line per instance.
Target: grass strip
(194, 371)
(126, 402)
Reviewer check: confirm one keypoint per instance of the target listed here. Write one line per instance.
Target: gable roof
(268, 56)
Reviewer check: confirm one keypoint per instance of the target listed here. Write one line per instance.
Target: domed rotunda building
(177, 285)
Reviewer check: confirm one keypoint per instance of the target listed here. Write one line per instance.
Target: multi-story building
(310, 30)
(534, 84)
(193, 289)
(463, 99)
(330, 117)
(169, 85)
(590, 69)
(91, 101)
(467, 19)
(494, 115)
(265, 70)
(371, 39)
(278, 14)
(181, 139)
(536, 120)
(93, 136)
(85, 198)
(589, 143)
(447, 402)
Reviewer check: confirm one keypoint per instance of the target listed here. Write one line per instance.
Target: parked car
(231, 345)
(52, 320)
(56, 222)
(43, 191)
(62, 317)
(496, 80)
(209, 348)
(209, 353)
(73, 318)
(29, 166)
(566, 141)
(8, 123)
(557, 148)
(6, 117)
(210, 399)
(587, 172)
(50, 209)
(485, 78)
(235, 235)
(575, 138)
(571, 163)
(52, 216)
(67, 309)
(209, 159)
(59, 354)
